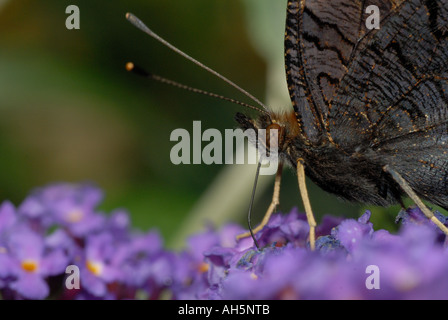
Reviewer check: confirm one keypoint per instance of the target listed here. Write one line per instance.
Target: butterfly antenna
(140, 25)
(130, 66)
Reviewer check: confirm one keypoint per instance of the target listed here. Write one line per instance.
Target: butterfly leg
(274, 203)
(306, 203)
(408, 190)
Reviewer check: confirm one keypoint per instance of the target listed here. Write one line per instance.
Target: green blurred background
(70, 112)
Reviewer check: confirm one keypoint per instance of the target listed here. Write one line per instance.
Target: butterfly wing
(397, 82)
(421, 158)
(321, 37)
(394, 99)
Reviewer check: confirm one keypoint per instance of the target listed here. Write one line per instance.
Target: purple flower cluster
(60, 226)
(410, 265)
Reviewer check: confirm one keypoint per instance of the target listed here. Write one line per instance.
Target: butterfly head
(285, 124)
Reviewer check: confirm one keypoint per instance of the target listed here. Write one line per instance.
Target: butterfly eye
(278, 136)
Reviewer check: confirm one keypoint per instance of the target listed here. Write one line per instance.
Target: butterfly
(370, 106)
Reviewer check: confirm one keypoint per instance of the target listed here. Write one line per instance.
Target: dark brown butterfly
(370, 119)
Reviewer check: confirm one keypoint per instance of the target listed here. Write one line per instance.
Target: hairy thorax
(354, 175)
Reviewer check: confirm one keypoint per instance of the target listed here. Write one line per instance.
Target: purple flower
(59, 225)
(8, 219)
(7, 216)
(205, 261)
(282, 229)
(69, 205)
(263, 275)
(413, 264)
(98, 266)
(118, 223)
(138, 256)
(30, 263)
(351, 232)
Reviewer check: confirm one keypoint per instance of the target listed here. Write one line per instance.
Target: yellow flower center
(95, 267)
(253, 276)
(203, 267)
(29, 265)
(75, 216)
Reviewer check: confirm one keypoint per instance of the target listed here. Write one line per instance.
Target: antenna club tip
(130, 66)
(128, 15)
